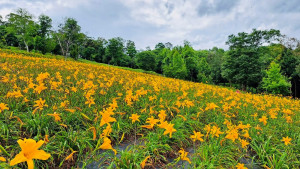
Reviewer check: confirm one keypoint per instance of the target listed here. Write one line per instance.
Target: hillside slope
(84, 113)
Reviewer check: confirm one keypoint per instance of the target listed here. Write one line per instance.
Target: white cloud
(178, 24)
(204, 23)
(36, 7)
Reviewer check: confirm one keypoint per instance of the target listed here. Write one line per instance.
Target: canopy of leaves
(275, 82)
(146, 60)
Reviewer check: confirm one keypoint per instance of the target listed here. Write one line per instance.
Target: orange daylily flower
(232, 134)
(241, 166)
(148, 126)
(106, 132)
(286, 140)
(38, 89)
(25, 100)
(56, 116)
(4, 152)
(42, 76)
(134, 118)
(184, 119)
(40, 104)
(143, 163)
(169, 129)
(162, 115)
(183, 155)
(3, 107)
(211, 106)
(2, 159)
(197, 136)
(90, 101)
(30, 150)
(151, 121)
(46, 139)
(70, 156)
(106, 118)
(244, 143)
(93, 129)
(15, 94)
(263, 119)
(70, 110)
(215, 131)
(163, 124)
(107, 145)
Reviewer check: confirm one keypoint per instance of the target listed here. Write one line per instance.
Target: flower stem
(4, 151)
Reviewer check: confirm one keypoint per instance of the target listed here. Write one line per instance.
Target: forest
(261, 61)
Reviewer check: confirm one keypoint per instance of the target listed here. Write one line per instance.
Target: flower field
(67, 114)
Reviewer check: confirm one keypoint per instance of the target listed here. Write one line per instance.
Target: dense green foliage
(275, 82)
(243, 65)
(146, 60)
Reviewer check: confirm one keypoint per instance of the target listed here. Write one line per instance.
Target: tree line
(259, 61)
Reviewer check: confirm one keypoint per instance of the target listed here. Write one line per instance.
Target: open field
(85, 113)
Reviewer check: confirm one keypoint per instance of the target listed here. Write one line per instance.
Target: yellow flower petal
(143, 163)
(18, 159)
(41, 155)
(39, 144)
(71, 155)
(30, 164)
(29, 152)
(2, 159)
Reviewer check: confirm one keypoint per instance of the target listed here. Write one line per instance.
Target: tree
(1, 20)
(131, 52)
(286, 58)
(81, 39)
(130, 49)
(187, 50)
(267, 54)
(45, 25)
(88, 52)
(114, 51)
(74, 51)
(204, 71)
(288, 63)
(275, 82)
(146, 60)
(67, 35)
(87, 48)
(2, 32)
(100, 49)
(169, 45)
(241, 65)
(253, 40)
(174, 65)
(22, 25)
(42, 41)
(192, 67)
(215, 59)
(191, 60)
(160, 46)
(161, 55)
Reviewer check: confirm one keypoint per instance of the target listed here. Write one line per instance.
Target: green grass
(186, 104)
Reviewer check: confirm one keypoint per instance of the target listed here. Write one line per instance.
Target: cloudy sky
(204, 23)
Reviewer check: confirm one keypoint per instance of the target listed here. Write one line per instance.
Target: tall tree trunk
(26, 45)
(61, 47)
